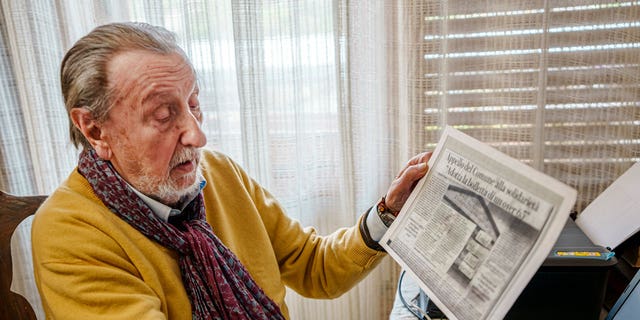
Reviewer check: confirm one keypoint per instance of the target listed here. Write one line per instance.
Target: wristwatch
(386, 215)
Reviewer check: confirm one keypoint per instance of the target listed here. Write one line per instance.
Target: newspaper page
(477, 227)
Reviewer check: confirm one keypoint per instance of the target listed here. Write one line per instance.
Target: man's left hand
(406, 180)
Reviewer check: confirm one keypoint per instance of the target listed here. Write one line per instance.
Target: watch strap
(386, 215)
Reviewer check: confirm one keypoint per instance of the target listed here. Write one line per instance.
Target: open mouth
(186, 166)
(186, 161)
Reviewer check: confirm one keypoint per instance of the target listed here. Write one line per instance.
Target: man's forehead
(169, 92)
(151, 74)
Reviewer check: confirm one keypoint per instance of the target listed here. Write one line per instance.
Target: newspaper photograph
(477, 227)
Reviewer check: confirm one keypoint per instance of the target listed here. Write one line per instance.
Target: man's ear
(92, 131)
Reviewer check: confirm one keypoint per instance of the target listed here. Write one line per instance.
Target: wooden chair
(13, 210)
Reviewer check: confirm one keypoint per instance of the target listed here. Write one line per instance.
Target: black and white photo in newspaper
(477, 227)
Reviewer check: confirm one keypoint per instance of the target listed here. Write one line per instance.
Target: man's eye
(163, 115)
(195, 109)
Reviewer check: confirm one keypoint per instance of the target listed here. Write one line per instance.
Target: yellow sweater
(90, 264)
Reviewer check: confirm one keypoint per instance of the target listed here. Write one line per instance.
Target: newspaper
(477, 227)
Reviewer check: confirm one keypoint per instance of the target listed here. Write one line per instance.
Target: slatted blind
(555, 84)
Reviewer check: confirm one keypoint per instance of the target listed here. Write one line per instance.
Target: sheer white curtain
(35, 152)
(293, 90)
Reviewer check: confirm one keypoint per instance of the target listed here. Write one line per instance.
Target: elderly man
(150, 226)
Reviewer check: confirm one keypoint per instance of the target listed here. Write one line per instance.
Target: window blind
(555, 84)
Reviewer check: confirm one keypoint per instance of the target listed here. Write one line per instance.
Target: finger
(421, 157)
(413, 173)
(401, 187)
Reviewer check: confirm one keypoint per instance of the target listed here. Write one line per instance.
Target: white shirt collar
(164, 211)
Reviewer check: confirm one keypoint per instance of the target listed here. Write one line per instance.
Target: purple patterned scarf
(218, 285)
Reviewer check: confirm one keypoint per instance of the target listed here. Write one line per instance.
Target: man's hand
(406, 180)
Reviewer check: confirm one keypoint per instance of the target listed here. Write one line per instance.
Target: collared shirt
(164, 211)
(374, 223)
(377, 228)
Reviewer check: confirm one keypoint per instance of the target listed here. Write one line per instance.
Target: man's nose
(192, 135)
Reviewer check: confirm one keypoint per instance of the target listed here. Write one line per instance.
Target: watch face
(384, 213)
(387, 218)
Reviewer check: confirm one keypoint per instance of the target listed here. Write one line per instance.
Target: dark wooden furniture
(13, 209)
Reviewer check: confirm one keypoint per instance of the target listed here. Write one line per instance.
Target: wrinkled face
(153, 133)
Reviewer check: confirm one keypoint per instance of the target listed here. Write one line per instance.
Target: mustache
(184, 155)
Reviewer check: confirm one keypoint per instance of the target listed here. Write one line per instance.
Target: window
(555, 84)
